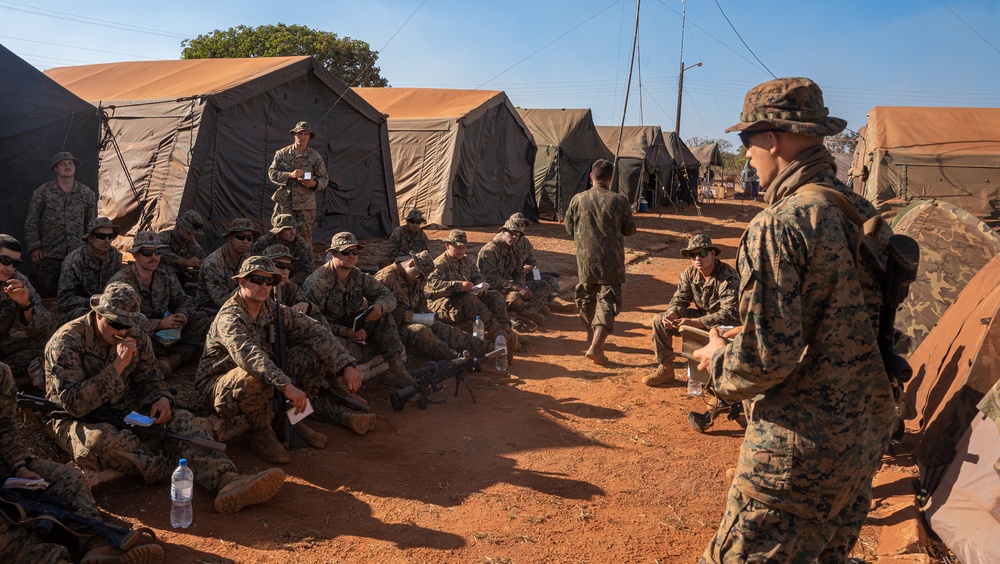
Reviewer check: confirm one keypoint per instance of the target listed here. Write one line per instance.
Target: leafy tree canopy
(732, 160)
(844, 142)
(350, 59)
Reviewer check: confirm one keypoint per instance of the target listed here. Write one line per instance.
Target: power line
(74, 47)
(87, 20)
(743, 42)
(719, 41)
(969, 26)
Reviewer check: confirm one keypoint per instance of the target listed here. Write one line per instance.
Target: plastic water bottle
(478, 329)
(181, 492)
(694, 386)
(501, 343)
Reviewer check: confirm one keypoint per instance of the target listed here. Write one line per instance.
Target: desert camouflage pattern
(339, 301)
(57, 222)
(437, 340)
(292, 197)
(401, 243)
(20, 348)
(215, 282)
(954, 246)
(177, 247)
(84, 274)
(820, 406)
(502, 268)
(304, 262)
(716, 294)
(452, 305)
(598, 304)
(598, 220)
(80, 377)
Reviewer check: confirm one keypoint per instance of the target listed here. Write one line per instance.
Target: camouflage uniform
(502, 269)
(19, 351)
(83, 275)
(453, 305)
(820, 405)
(215, 281)
(56, 224)
(438, 340)
(292, 197)
(598, 220)
(301, 251)
(401, 243)
(178, 247)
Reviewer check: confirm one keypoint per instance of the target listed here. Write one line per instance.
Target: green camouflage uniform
(401, 243)
(17, 543)
(57, 222)
(84, 275)
(455, 306)
(501, 266)
(301, 251)
(820, 405)
(292, 197)
(598, 220)
(437, 340)
(714, 299)
(339, 302)
(525, 253)
(215, 282)
(18, 351)
(80, 377)
(177, 247)
(237, 375)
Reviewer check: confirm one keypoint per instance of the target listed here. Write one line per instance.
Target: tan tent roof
(707, 155)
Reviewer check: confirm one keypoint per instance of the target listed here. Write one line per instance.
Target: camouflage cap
(512, 225)
(699, 242)
(344, 240)
(98, 224)
(64, 156)
(424, 262)
(519, 218)
(283, 221)
(457, 237)
(303, 126)
(242, 224)
(253, 264)
(146, 240)
(279, 251)
(788, 104)
(415, 214)
(119, 303)
(192, 221)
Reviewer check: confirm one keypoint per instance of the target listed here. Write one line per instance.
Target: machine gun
(431, 378)
(40, 512)
(112, 417)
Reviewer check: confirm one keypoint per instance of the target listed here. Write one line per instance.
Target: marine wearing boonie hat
(512, 225)
(192, 222)
(303, 126)
(697, 243)
(457, 237)
(343, 241)
(256, 263)
(284, 221)
(241, 224)
(791, 104)
(102, 222)
(64, 156)
(518, 218)
(277, 251)
(415, 215)
(119, 303)
(146, 240)
(423, 261)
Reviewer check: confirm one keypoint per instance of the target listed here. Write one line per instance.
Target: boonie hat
(457, 237)
(697, 243)
(119, 303)
(254, 264)
(284, 221)
(519, 218)
(64, 156)
(242, 224)
(422, 260)
(512, 225)
(792, 104)
(146, 240)
(102, 222)
(415, 214)
(302, 126)
(279, 251)
(344, 240)
(192, 221)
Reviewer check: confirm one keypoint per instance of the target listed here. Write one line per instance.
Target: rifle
(39, 512)
(347, 401)
(113, 417)
(431, 378)
(283, 427)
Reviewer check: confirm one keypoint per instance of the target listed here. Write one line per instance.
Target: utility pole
(680, 78)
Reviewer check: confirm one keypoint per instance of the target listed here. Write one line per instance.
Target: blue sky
(862, 53)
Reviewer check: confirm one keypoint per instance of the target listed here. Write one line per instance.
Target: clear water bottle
(694, 386)
(501, 343)
(478, 329)
(181, 492)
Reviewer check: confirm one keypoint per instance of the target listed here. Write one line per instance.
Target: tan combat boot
(265, 443)
(101, 552)
(360, 423)
(397, 376)
(660, 376)
(236, 492)
(312, 436)
(596, 351)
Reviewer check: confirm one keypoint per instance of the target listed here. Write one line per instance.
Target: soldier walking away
(88, 269)
(598, 220)
(300, 172)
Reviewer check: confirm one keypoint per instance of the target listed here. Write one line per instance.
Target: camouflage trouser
(599, 304)
(751, 531)
(383, 338)
(489, 306)
(20, 545)
(17, 353)
(438, 340)
(306, 217)
(192, 339)
(45, 276)
(541, 294)
(663, 342)
(100, 446)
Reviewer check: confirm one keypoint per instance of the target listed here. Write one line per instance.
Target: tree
(732, 161)
(844, 142)
(350, 59)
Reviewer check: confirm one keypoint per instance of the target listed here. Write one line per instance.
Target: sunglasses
(283, 265)
(354, 252)
(264, 280)
(242, 237)
(117, 326)
(150, 252)
(414, 221)
(7, 261)
(104, 236)
(702, 253)
(745, 136)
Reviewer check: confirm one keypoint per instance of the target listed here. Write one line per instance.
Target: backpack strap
(869, 227)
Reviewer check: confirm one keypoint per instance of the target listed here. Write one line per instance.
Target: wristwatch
(25, 308)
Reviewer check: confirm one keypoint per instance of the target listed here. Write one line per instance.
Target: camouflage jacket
(716, 294)
(215, 280)
(235, 339)
(84, 276)
(43, 323)
(598, 220)
(12, 447)
(177, 247)
(409, 297)
(523, 249)
(448, 275)
(822, 406)
(499, 264)
(80, 377)
(340, 301)
(300, 250)
(401, 243)
(292, 193)
(57, 222)
(163, 294)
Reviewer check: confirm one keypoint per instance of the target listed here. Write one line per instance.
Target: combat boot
(312, 436)
(596, 351)
(397, 376)
(532, 316)
(561, 305)
(360, 423)
(236, 492)
(101, 552)
(660, 376)
(165, 369)
(265, 443)
(545, 310)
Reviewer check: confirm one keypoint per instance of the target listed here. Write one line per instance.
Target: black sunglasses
(283, 265)
(746, 135)
(414, 221)
(264, 280)
(117, 326)
(150, 252)
(354, 252)
(7, 261)
(104, 236)
(242, 237)
(701, 253)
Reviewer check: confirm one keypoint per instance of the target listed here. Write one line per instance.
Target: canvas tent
(463, 157)
(707, 155)
(200, 134)
(568, 144)
(644, 165)
(951, 154)
(686, 165)
(39, 118)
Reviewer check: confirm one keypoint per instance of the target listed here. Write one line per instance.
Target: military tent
(954, 246)
(843, 161)
(463, 157)
(686, 165)
(644, 167)
(950, 154)
(707, 155)
(39, 118)
(200, 134)
(568, 144)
